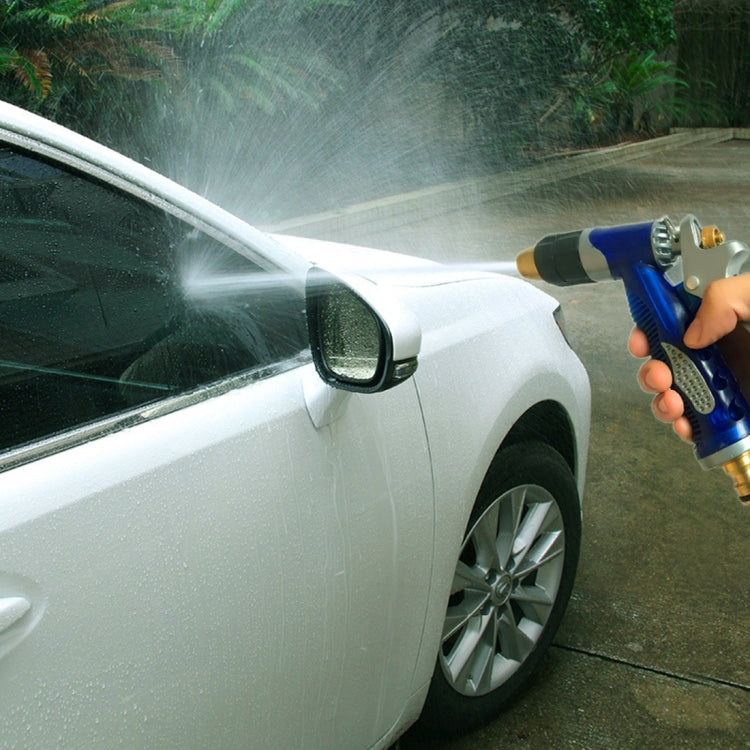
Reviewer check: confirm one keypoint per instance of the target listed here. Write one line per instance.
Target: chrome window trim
(101, 428)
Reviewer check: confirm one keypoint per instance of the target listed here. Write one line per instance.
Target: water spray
(197, 283)
(665, 270)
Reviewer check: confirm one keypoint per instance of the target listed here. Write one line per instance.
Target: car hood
(381, 266)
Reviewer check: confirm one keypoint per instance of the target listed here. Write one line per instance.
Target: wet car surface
(265, 487)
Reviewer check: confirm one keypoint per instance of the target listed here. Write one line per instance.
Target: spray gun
(665, 270)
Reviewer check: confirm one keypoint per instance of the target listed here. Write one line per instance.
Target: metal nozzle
(739, 469)
(711, 237)
(526, 265)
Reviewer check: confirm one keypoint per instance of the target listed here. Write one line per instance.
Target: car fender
(491, 351)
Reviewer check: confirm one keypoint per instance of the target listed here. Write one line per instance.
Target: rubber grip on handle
(714, 405)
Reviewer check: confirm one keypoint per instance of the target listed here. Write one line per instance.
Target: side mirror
(361, 339)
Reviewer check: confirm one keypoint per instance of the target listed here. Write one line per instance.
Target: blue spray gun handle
(645, 256)
(718, 413)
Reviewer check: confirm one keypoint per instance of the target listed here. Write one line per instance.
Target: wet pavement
(654, 651)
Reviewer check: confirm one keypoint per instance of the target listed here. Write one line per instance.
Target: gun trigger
(674, 274)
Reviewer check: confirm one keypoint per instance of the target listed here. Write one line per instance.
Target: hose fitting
(739, 470)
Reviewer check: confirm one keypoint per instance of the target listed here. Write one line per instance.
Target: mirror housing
(361, 339)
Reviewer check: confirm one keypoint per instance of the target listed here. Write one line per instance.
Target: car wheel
(512, 583)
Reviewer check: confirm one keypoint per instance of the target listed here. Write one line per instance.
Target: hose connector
(711, 237)
(739, 470)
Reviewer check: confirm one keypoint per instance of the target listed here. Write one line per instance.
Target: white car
(263, 492)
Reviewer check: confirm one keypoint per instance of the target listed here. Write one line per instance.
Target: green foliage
(714, 56)
(48, 49)
(324, 76)
(620, 85)
(503, 60)
(634, 93)
(634, 77)
(610, 28)
(253, 50)
(520, 65)
(74, 60)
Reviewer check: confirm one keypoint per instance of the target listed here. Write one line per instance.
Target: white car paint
(205, 568)
(267, 566)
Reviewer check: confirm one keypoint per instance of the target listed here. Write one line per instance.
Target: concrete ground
(654, 651)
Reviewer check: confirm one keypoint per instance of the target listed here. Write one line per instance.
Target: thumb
(708, 328)
(724, 304)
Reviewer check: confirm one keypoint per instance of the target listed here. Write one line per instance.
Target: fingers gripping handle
(638, 254)
(714, 405)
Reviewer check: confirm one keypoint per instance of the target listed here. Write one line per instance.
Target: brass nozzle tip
(739, 469)
(526, 265)
(711, 237)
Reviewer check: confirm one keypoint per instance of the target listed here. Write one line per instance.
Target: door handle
(12, 609)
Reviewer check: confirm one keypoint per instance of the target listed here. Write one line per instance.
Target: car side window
(108, 303)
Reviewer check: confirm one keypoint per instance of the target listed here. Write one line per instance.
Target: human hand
(725, 303)
(655, 377)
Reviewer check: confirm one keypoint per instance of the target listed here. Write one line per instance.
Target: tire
(513, 579)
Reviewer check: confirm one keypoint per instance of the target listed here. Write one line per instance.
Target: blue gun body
(643, 256)
(664, 312)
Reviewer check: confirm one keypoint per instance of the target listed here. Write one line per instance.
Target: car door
(186, 558)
